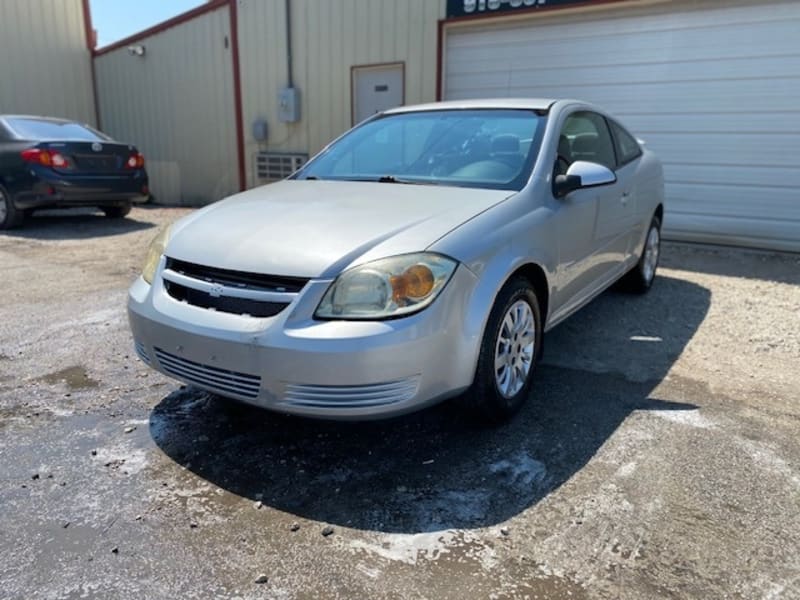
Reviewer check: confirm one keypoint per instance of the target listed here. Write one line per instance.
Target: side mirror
(582, 174)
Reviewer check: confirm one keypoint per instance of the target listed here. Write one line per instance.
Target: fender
(493, 262)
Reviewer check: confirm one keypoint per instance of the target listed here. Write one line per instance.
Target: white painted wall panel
(45, 67)
(329, 37)
(711, 86)
(176, 104)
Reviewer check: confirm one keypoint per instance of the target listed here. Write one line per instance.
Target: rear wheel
(641, 277)
(10, 216)
(510, 349)
(117, 212)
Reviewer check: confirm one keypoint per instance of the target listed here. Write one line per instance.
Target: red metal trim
(396, 63)
(500, 17)
(88, 31)
(210, 6)
(237, 92)
(440, 58)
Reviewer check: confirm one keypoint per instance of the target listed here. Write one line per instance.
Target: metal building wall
(329, 37)
(45, 66)
(176, 103)
(713, 91)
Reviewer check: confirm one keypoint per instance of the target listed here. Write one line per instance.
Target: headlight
(154, 252)
(390, 287)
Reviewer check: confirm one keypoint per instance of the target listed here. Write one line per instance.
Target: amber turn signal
(414, 283)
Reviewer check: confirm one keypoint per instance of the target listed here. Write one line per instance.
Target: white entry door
(376, 88)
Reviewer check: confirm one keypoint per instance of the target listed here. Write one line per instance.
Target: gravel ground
(658, 456)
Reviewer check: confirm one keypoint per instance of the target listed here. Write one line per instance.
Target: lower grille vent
(142, 352)
(351, 396)
(208, 377)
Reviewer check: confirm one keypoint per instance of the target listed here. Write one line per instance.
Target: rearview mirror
(582, 174)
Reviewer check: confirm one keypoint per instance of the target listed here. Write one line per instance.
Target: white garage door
(712, 87)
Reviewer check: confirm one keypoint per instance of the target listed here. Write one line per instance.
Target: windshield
(45, 129)
(471, 148)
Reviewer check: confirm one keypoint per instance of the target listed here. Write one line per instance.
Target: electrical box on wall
(289, 105)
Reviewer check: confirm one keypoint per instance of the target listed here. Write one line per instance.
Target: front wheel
(509, 351)
(640, 278)
(117, 212)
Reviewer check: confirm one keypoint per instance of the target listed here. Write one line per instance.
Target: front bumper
(293, 364)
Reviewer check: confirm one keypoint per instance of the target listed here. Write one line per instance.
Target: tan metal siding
(45, 67)
(711, 86)
(328, 38)
(176, 104)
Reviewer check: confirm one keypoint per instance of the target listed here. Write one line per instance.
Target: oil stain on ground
(75, 377)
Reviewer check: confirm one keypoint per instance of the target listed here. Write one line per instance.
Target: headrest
(505, 143)
(586, 143)
(564, 147)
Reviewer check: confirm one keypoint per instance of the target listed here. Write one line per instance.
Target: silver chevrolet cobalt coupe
(420, 256)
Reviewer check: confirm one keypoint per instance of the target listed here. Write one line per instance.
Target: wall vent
(278, 165)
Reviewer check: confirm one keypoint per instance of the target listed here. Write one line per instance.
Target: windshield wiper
(393, 179)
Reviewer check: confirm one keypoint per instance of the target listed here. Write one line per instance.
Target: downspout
(290, 78)
(237, 94)
(90, 47)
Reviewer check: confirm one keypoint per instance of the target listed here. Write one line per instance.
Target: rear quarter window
(627, 147)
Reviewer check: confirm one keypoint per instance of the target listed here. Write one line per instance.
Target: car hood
(319, 228)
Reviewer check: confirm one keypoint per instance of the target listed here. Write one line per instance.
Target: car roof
(38, 118)
(498, 103)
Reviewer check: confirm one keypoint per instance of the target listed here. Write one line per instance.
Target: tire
(117, 212)
(10, 215)
(640, 278)
(498, 393)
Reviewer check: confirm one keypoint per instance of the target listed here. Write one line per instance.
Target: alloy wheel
(514, 350)
(3, 207)
(651, 250)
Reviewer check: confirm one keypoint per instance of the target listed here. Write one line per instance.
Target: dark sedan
(56, 163)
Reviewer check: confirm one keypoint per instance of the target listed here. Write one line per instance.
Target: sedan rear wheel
(117, 212)
(511, 346)
(10, 216)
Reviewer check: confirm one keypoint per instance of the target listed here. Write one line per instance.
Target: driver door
(590, 241)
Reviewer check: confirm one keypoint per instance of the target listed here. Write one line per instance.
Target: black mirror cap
(564, 184)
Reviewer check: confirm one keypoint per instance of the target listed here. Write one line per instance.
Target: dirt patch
(75, 377)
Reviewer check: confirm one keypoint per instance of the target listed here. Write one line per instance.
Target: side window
(627, 147)
(585, 136)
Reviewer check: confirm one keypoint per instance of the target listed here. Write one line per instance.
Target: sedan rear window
(45, 129)
(486, 148)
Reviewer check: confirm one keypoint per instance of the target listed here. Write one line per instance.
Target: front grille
(237, 306)
(229, 291)
(240, 279)
(351, 396)
(215, 379)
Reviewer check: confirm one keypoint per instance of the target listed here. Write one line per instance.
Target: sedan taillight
(135, 161)
(47, 158)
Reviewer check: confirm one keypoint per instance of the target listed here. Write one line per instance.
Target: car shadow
(435, 470)
(74, 224)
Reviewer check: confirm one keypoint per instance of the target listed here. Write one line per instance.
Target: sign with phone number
(460, 8)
